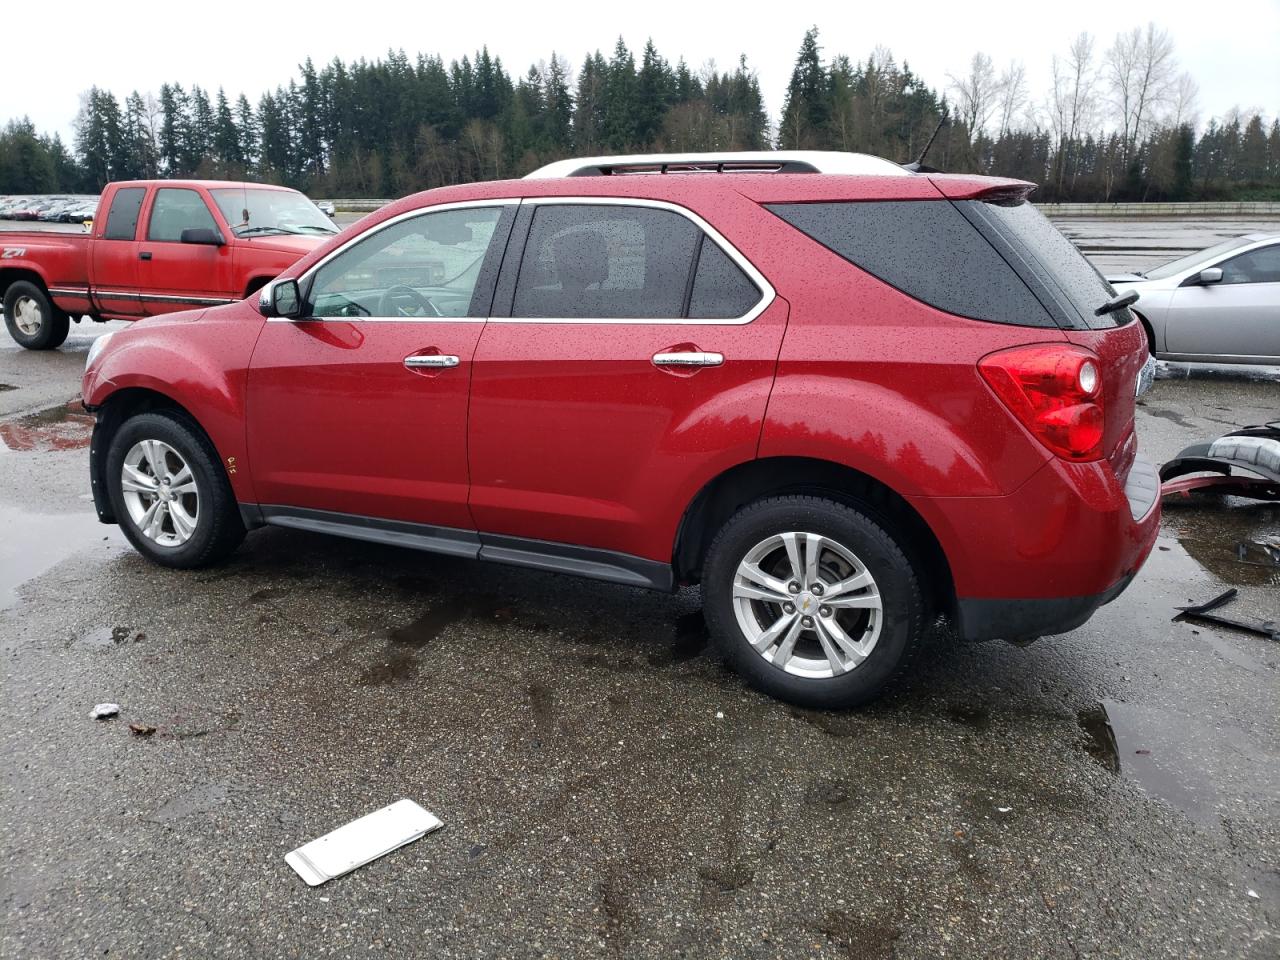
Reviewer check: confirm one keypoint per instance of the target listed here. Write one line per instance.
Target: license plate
(361, 841)
(1146, 376)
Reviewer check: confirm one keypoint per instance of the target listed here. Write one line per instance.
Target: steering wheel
(392, 302)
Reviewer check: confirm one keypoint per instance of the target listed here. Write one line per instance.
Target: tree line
(1117, 124)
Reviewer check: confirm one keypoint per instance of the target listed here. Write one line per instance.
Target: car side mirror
(202, 235)
(1209, 275)
(280, 298)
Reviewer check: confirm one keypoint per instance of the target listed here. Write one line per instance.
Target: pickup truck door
(173, 275)
(113, 255)
(360, 410)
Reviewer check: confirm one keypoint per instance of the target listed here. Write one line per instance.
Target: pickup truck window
(122, 220)
(261, 212)
(176, 210)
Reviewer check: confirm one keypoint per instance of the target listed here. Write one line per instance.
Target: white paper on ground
(361, 841)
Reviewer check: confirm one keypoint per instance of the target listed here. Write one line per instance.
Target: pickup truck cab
(155, 246)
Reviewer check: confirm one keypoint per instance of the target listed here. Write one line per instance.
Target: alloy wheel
(160, 493)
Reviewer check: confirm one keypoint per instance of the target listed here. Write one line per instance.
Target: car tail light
(1055, 390)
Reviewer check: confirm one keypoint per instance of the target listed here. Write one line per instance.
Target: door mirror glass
(280, 299)
(1210, 275)
(203, 235)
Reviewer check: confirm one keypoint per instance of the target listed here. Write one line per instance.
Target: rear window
(1061, 265)
(925, 248)
(122, 220)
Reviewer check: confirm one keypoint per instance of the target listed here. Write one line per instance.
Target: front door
(114, 278)
(1237, 317)
(636, 356)
(173, 275)
(361, 409)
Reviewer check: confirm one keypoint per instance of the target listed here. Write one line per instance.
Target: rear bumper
(1043, 559)
(985, 619)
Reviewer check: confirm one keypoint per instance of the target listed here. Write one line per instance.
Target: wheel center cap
(807, 602)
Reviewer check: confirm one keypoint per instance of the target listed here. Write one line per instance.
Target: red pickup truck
(155, 246)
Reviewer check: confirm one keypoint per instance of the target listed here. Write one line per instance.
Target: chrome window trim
(767, 293)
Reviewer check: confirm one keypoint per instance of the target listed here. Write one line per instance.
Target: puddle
(64, 427)
(399, 661)
(203, 799)
(112, 637)
(33, 543)
(1195, 766)
(1235, 543)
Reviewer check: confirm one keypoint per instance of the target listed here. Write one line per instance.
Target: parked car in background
(81, 211)
(157, 246)
(327, 208)
(1219, 305)
(32, 209)
(9, 206)
(841, 403)
(54, 211)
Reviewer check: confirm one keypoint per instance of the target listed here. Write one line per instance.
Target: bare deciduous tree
(1183, 107)
(977, 93)
(1012, 94)
(1140, 69)
(1072, 105)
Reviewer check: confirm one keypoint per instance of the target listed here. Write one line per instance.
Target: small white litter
(1254, 894)
(361, 841)
(1003, 809)
(104, 711)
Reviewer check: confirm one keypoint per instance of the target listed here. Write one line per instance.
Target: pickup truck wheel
(812, 601)
(33, 321)
(169, 492)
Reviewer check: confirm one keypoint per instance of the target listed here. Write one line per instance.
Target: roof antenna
(918, 165)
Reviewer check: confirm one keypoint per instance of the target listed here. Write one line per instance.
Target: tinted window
(1193, 259)
(176, 210)
(721, 290)
(925, 248)
(426, 266)
(605, 261)
(1060, 264)
(122, 219)
(1256, 266)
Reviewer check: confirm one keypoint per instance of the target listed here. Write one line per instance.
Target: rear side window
(1055, 261)
(721, 291)
(588, 261)
(177, 209)
(926, 249)
(122, 219)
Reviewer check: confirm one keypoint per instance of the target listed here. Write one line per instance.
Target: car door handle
(688, 358)
(430, 360)
(145, 255)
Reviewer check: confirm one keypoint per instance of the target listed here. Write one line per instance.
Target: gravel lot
(607, 788)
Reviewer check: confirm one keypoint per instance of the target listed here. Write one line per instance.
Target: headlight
(96, 348)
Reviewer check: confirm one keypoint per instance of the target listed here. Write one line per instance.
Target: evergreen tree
(806, 114)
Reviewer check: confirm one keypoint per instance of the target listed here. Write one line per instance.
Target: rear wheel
(812, 601)
(33, 321)
(169, 493)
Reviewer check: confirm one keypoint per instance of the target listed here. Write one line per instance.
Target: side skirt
(577, 561)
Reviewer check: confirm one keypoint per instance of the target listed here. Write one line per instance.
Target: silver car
(1220, 305)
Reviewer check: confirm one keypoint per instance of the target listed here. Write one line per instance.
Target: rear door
(1238, 317)
(114, 255)
(361, 409)
(631, 352)
(173, 275)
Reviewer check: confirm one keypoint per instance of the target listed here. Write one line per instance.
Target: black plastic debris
(1203, 613)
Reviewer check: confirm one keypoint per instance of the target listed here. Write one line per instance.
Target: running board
(589, 562)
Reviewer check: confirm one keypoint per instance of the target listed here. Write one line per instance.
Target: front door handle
(434, 360)
(688, 358)
(145, 255)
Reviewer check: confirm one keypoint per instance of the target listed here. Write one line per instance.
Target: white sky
(52, 53)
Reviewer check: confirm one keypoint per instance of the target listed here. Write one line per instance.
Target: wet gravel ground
(607, 788)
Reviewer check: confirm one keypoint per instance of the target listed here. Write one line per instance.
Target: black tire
(904, 613)
(54, 324)
(218, 529)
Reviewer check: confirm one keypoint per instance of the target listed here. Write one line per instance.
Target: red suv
(840, 396)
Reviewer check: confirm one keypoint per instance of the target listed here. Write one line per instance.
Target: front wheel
(169, 493)
(33, 321)
(812, 601)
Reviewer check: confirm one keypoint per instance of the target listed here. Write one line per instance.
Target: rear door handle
(430, 360)
(145, 255)
(688, 358)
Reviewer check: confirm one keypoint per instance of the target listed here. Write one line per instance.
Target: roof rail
(761, 161)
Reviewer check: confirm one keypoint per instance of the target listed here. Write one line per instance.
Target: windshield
(1174, 267)
(259, 212)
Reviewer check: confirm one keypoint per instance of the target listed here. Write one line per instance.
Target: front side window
(1256, 266)
(122, 219)
(606, 261)
(176, 210)
(422, 267)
